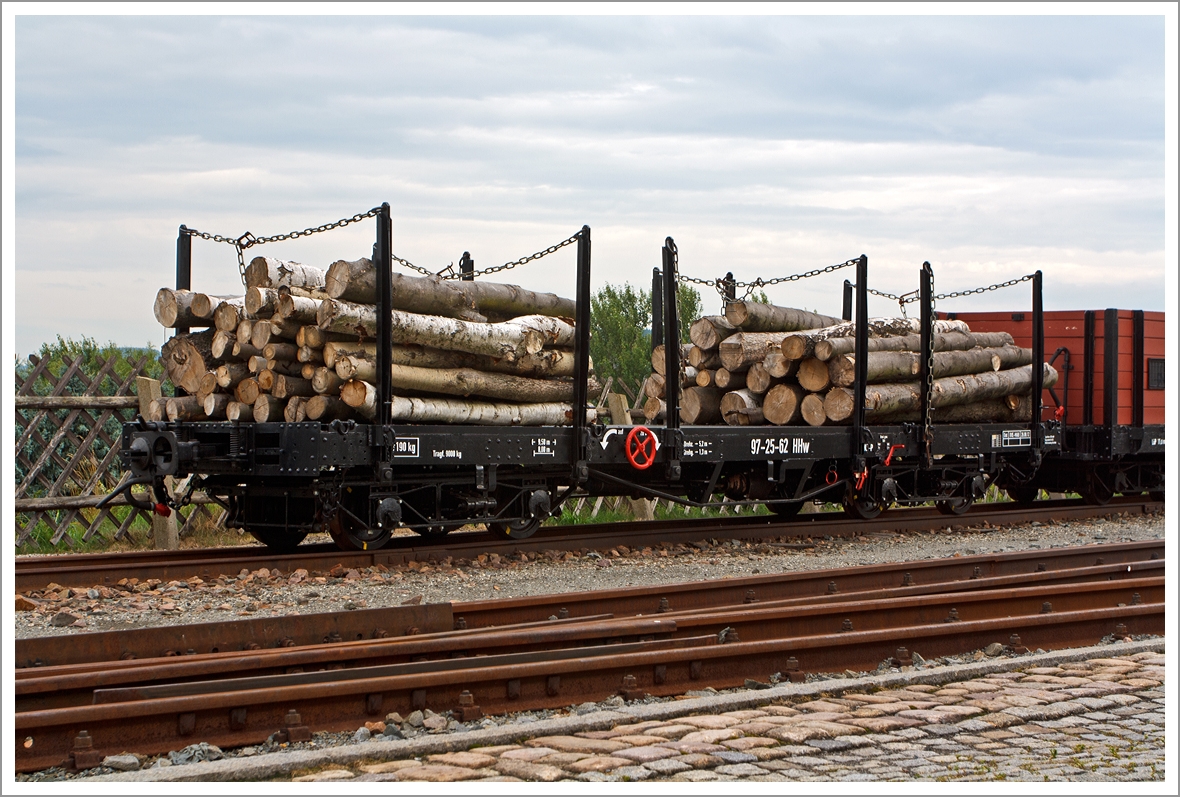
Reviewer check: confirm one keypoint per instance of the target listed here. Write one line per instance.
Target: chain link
(247, 239)
(720, 284)
(513, 264)
(996, 287)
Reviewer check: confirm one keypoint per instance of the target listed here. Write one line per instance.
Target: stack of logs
(300, 346)
(762, 364)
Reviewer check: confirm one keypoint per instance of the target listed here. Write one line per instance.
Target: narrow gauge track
(93, 569)
(233, 698)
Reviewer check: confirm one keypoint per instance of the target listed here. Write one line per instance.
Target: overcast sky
(766, 146)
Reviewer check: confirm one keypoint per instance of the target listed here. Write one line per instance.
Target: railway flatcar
(361, 481)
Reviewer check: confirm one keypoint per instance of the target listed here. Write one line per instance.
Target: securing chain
(247, 239)
(721, 284)
(513, 264)
(996, 287)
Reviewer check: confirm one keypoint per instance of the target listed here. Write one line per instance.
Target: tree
(620, 330)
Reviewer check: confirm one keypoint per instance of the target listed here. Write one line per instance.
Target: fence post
(165, 533)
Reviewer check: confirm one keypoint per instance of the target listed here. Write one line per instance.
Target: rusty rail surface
(35, 572)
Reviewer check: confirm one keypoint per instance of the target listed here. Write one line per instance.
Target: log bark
(187, 358)
(706, 378)
(325, 380)
(947, 341)
(237, 411)
(758, 317)
(742, 408)
(902, 366)
(802, 344)
(654, 409)
(186, 408)
(286, 387)
(298, 309)
(1013, 409)
(351, 367)
(326, 408)
(229, 314)
(355, 281)
(363, 398)
(268, 408)
(813, 410)
(267, 272)
(700, 358)
(244, 351)
(738, 352)
(261, 302)
(215, 404)
(781, 406)
(725, 379)
(893, 399)
(708, 331)
(247, 391)
(700, 405)
(813, 375)
(204, 306)
(469, 382)
(500, 300)
(173, 308)
(334, 349)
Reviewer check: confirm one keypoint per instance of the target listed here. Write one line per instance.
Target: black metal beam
(1038, 363)
(184, 266)
(657, 309)
(466, 268)
(383, 263)
(926, 374)
(862, 363)
(671, 361)
(579, 468)
(846, 312)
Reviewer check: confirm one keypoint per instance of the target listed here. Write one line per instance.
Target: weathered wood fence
(68, 426)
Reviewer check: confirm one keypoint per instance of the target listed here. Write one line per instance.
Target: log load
(741, 350)
(893, 399)
(174, 308)
(205, 306)
(802, 344)
(759, 317)
(267, 272)
(781, 405)
(658, 363)
(362, 397)
(700, 405)
(708, 331)
(947, 341)
(902, 366)
(469, 382)
(742, 408)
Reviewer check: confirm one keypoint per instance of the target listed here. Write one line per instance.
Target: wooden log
(700, 405)
(802, 344)
(306, 354)
(229, 314)
(261, 302)
(333, 349)
(708, 331)
(947, 341)
(268, 408)
(257, 363)
(742, 408)
(298, 309)
(362, 397)
(700, 358)
(307, 370)
(654, 409)
(286, 387)
(187, 358)
(244, 351)
(778, 366)
(173, 308)
(313, 337)
(266, 380)
(892, 399)
(706, 378)
(728, 380)
(759, 317)
(208, 385)
(186, 408)
(902, 366)
(738, 352)
(1012, 409)
(245, 330)
(355, 281)
(781, 406)
(500, 300)
(222, 347)
(238, 411)
(657, 357)
(351, 367)
(247, 391)
(294, 412)
(230, 374)
(469, 382)
(265, 332)
(204, 305)
(215, 404)
(267, 272)
(813, 375)
(326, 380)
(281, 351)
(758, 379)
(813, 410)
(326, 408)
(655, 386)
(157, 409)
(76, 402)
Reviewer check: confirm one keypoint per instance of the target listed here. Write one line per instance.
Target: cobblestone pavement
(1040, 718)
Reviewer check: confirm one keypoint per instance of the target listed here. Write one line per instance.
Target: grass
(203, 534)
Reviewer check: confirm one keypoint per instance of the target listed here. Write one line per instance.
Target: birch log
(204, 306)
(708, 331)
(230, 374)
(237, 411)
(658, 362)
(781, 406)
(802, 344)
(314, 337)
(356, 281)
(706, 378)
(214, 405)
(700, 405)
(738, 352)
(363, 398)
(326, 380)
(947, 341)
(187, 358)
(298, 309)
(173, 308)
(469, 382)
(759, 317)
(902, 366)
(266, 331)
(187, 408)
(267, 272)
(500, 300)
(742, 408)
(229, 314)
(261, 302)
(222, 347)
(281, 351)
(326, 408)
(307, 354)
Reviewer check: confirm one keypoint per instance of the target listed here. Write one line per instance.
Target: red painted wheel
(640, 447)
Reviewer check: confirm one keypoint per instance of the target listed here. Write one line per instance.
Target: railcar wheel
(515, 529)
(351, 535)
(1023, 495)
(1096, 491)
(954, 506)
(278, 541)
(863, 507)
(786, 510)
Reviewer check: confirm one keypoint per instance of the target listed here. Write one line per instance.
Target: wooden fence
(68, 426)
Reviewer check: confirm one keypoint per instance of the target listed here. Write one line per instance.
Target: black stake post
(466, 268)
(383, 261)
(926, 290)
(846, 313)
(657, 309)
(862, 364)
(671, 362)
(184, 265)
(580, 470)
(1038, 359)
